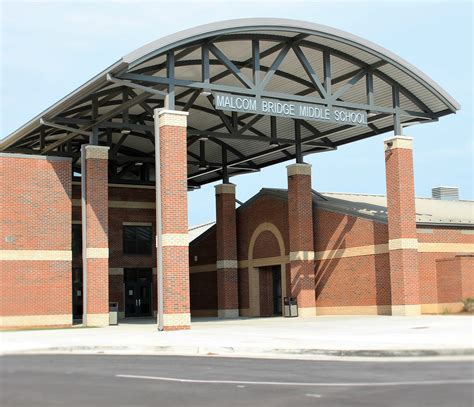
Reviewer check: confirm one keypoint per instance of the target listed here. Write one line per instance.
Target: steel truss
(109, 116)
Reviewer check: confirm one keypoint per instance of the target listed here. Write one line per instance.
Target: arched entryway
(267, 261)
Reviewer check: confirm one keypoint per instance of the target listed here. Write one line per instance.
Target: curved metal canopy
(283, 60)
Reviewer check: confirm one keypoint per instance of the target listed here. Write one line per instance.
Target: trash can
(113, 313)
(290, 307)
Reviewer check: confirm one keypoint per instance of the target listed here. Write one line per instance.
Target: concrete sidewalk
(318, 337)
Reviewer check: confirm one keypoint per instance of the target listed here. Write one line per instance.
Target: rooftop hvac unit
(445, 193)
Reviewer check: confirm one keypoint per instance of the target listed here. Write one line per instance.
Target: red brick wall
(455, 279)
(401, 212)
(174, 189)
(427, 262)
(36, 213)
(97, 233)
(350, 281)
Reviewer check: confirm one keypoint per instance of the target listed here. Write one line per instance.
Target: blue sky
(49, 48)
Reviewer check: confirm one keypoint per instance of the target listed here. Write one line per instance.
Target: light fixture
(138, 164)
(206, 92)
(203, 138)
(203, 166)
(126, 130)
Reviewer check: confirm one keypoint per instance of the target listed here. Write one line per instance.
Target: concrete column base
(174, 322)
(406, 310)
(228, 313)
(307, 312)
(97, 320)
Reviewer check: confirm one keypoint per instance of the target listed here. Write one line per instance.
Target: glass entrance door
(138, 288)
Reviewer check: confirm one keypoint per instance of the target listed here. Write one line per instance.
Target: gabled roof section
(374, 207)
(273, 58)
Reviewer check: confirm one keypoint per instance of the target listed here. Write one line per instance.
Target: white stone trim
(35, 157)
(227, 264)
(298, 169)
(406, 310)
(173, 118)
(35, 255)
(228, 313)
(174, 239)
(116, 271)
(131, 205)
(307, 312)
(403, 243)
(398, 142)
(97, 152)
(122, 204)
(302, 255)
(203, 268)
(177, 319)
(225, 189)
(352, 252)
(97, 320)
(446, 247)
(356, 310)
(97, 253)
(35, 320)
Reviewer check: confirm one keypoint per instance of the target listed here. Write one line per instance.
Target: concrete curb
(249, 352)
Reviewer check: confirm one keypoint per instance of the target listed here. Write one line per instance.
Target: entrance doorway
(276, 277)
(77, 293)
(270, 291)
(138, 288)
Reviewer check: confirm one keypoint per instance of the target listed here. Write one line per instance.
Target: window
(137, 239)
(76, 240)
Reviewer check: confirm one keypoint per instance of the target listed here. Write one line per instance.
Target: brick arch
(266, 227)
(266, 245)
(254, 285)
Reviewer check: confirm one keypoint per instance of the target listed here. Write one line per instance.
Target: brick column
(174, 218)
(95, 219)
(300, 220)
(226, 237)
(402, 236)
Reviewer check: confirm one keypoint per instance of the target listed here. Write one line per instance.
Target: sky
(49, 48)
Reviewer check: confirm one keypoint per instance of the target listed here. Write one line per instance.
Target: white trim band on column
(406, 310)
(403, 243)
(177, 319)
(225, 189)
(227, 264)
(35, 320)
(298, 169)
(228, 313)
(173, 118)
(174, 239)
(97, 152)
(97, 253)
(303, 255)
(35, 255)
(398, 142)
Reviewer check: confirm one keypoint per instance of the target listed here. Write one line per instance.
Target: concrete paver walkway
(272, 337)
